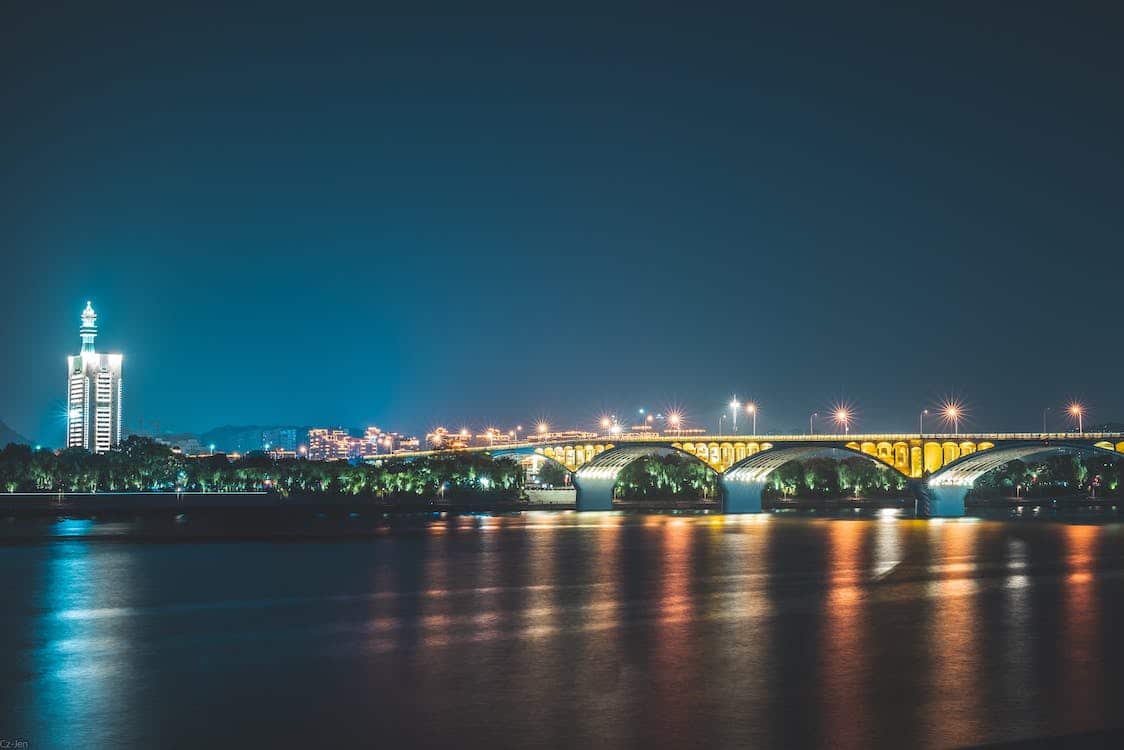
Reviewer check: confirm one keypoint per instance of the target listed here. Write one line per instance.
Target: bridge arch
(743, 484)
(532, 453)
(596, 478)
(943, 494)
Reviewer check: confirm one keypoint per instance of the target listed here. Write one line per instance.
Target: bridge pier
(941, 501)
(740, 497)
(594, 493)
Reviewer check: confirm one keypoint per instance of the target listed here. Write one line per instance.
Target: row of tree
(143, 465)
(1098, 475)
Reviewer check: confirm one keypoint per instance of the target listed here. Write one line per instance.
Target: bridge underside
(743, 484)
(944, 494)
(596, 479)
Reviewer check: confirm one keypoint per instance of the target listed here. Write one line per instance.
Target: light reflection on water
(561, 629)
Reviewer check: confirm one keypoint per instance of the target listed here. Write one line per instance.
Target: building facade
(94, 393)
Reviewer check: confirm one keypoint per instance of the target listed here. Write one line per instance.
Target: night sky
(299, 214)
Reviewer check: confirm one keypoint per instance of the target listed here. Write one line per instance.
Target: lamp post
(751, 409)
(673, 419)
(734, 406)
(721, 421)
(952, 413)
(921, 422)
(1078, 411)
(812, 423)
(843, 417)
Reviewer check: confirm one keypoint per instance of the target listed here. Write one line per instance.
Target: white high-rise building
(93, 395)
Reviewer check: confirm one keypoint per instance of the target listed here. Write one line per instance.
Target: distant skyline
(285, 217)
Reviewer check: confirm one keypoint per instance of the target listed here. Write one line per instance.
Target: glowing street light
(812, 422)
(674, 419)
(952, 414)
(751, 409)
(1078, 411)
(921, 421)
(842, 416)
(735, 405)
(542, 427)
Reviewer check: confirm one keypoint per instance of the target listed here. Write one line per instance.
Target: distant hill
(244, 438)
(8, 435)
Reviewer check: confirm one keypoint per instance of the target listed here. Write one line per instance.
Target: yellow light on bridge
(542, 428)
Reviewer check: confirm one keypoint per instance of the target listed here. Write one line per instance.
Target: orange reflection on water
(955, 667)
(1079, 647)
(846, 663)
(672, 659)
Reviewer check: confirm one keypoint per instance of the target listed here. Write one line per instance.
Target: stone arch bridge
(941, 468)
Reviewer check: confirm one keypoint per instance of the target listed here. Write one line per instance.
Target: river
(556, 629)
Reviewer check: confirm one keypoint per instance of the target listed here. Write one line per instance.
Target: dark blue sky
(304, 214)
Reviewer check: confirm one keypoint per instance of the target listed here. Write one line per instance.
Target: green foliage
(666, 477)
(552, 473)
(142, 464)
(824, 478)
(1054, 476)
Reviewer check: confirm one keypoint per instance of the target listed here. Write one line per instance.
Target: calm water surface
(554, 629)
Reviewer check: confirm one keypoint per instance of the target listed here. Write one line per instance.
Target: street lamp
(721, 421)
(542, 427)
(921, 422)
(1077, 410)
(812, 423)
(734, 406)
(843, 417)
(674, 419)
(751, 409)
(952, 414)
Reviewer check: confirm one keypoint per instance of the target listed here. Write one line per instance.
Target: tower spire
(89, 329)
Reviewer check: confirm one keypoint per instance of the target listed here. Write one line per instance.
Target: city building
(495, 436)
(396, 442)
(94, 393)
(441, 438)
(327, 444)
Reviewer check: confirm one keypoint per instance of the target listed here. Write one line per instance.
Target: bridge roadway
(941, 468)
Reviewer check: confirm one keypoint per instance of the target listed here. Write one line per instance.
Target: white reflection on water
(82, 663)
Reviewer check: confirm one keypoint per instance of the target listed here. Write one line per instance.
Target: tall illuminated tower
(93, 395)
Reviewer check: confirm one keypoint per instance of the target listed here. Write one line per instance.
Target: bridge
(941, 469)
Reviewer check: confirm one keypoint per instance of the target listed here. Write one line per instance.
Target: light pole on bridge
(1078, 411)
(921, 422)
(812, 423)
(751, 408)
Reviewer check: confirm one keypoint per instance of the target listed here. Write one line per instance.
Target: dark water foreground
(565, 630)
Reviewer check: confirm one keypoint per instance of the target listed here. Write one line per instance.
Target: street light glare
(750, 408)
(542, 428)
(1076, 409)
